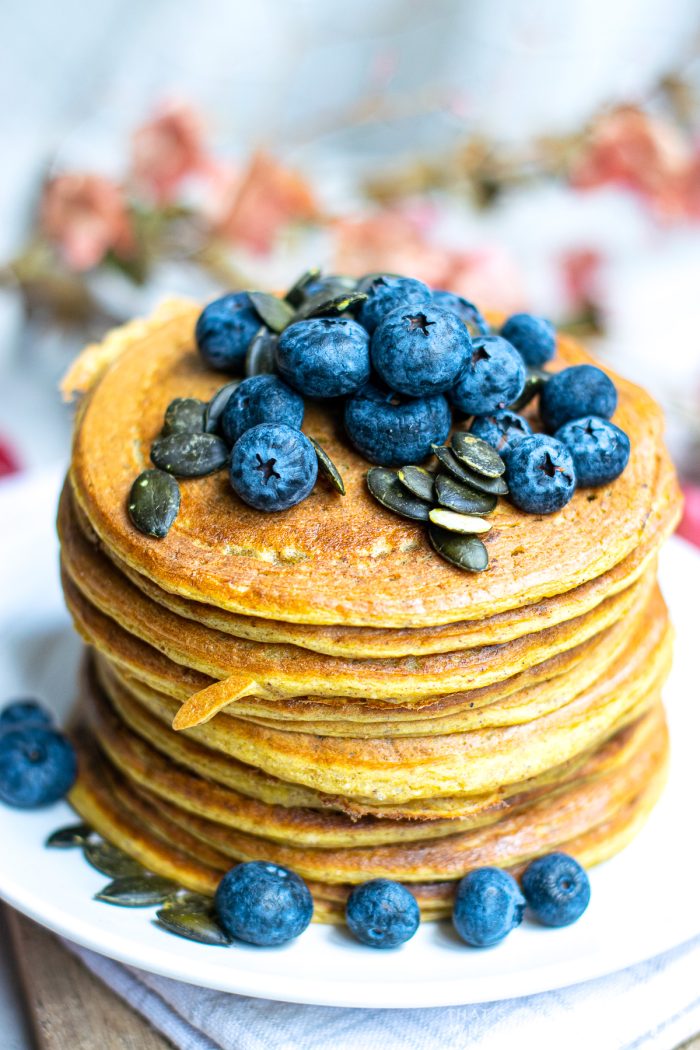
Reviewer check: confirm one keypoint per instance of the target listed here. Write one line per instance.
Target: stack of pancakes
(319, 689)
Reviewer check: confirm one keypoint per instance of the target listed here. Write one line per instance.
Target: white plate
(633, 914)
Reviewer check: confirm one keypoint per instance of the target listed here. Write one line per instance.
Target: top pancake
(335, 560)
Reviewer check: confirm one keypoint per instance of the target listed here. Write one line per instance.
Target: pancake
(331, 559)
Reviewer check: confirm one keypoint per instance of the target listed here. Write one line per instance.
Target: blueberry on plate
(263, 904)
(224, 329)
(260, 399)
(37, 766)
(599, 449)
(488, 905)
(273, 466)
(533, 337)
(24, 712)
(502, 429)
(466, 311)
(582, 390)
(324, 357)
(382, 913)
(393, 430)
(540, 474)
(421, 350)
(493, 377)
(387, 293)
(556, 889)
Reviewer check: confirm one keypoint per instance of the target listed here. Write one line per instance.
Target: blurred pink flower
(86, 216)
(689, 527)
(264, 199)
(581, 276)
(168, 148)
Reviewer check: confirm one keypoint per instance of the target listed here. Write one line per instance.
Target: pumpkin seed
(189, 455)
(276, 313)
(328, 467)
(154, 502)
(494, 486)
(215, 408)
(137, 891)
(297, 293)
(459, 497)
(260, 355)
(454, 522)
(466, 552)
(184, 415)
(323, 305)
(192, 920)
(419, 481)
(477, 454)
(385, 486)
(534, 381)
(110, 860)
(69, 837)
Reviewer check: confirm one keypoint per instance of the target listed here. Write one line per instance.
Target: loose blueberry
(488, 905)
(541, 475)
(393, 430)
(24, 712)
(556, 889)
(387, 293)
(382, 913)
(224, 329)
(582, 390)
(493, 376)
(37, 766)
(260, 399)
(420, 351)
(599, 449)
(502, 429)
(533, 337)
(466, 311)
(263, 904)
(324, 357)
(273, 467)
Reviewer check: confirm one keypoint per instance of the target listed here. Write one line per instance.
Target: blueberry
(599, 449)
(466, 311)
(533, 337)
(421, 350)
(324, 357)
(501, 429)
(224, 329)
(37, 766)
(393, 430)
(263, 903)
(273, 466)
(382, 913)
(582, 390)
(493, 377)
(260, 399)
(556, 889)
(23, 712)
(540, 474)
(385, 294)
(488, 905)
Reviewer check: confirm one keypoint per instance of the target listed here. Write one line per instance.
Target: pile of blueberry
(38, 765)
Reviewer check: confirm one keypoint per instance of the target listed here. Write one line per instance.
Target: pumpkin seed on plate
(323, 305)
(454, 522)
(457, 496)
(137, 891)
(260, 355)
(534, 381)
(194, 918)
(111, 861)
(215, 408)
(69, 837)
(189, 455)
(419, 481)
(328, 467)
(276, 313)
(386, 488)
(494, 486)
(184, 415)
(477, 454)
(465, 552)
(154, 502)
(297, 293)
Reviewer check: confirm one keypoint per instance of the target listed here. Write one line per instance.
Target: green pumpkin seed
(534, 381)
(323, 305)
(215, 408)
(296, 294)
(466, 552)
(137, 891)
(189, 919)
(468, 524)
(111, 861)
(189, 455)
(276, 313)
(184, 415)
(386, 488)
(154, 502)
(70, 837)
(419, 481)
(457, 496)
(328, 467)
(494, 486)
(477, 454)
(260, 355)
